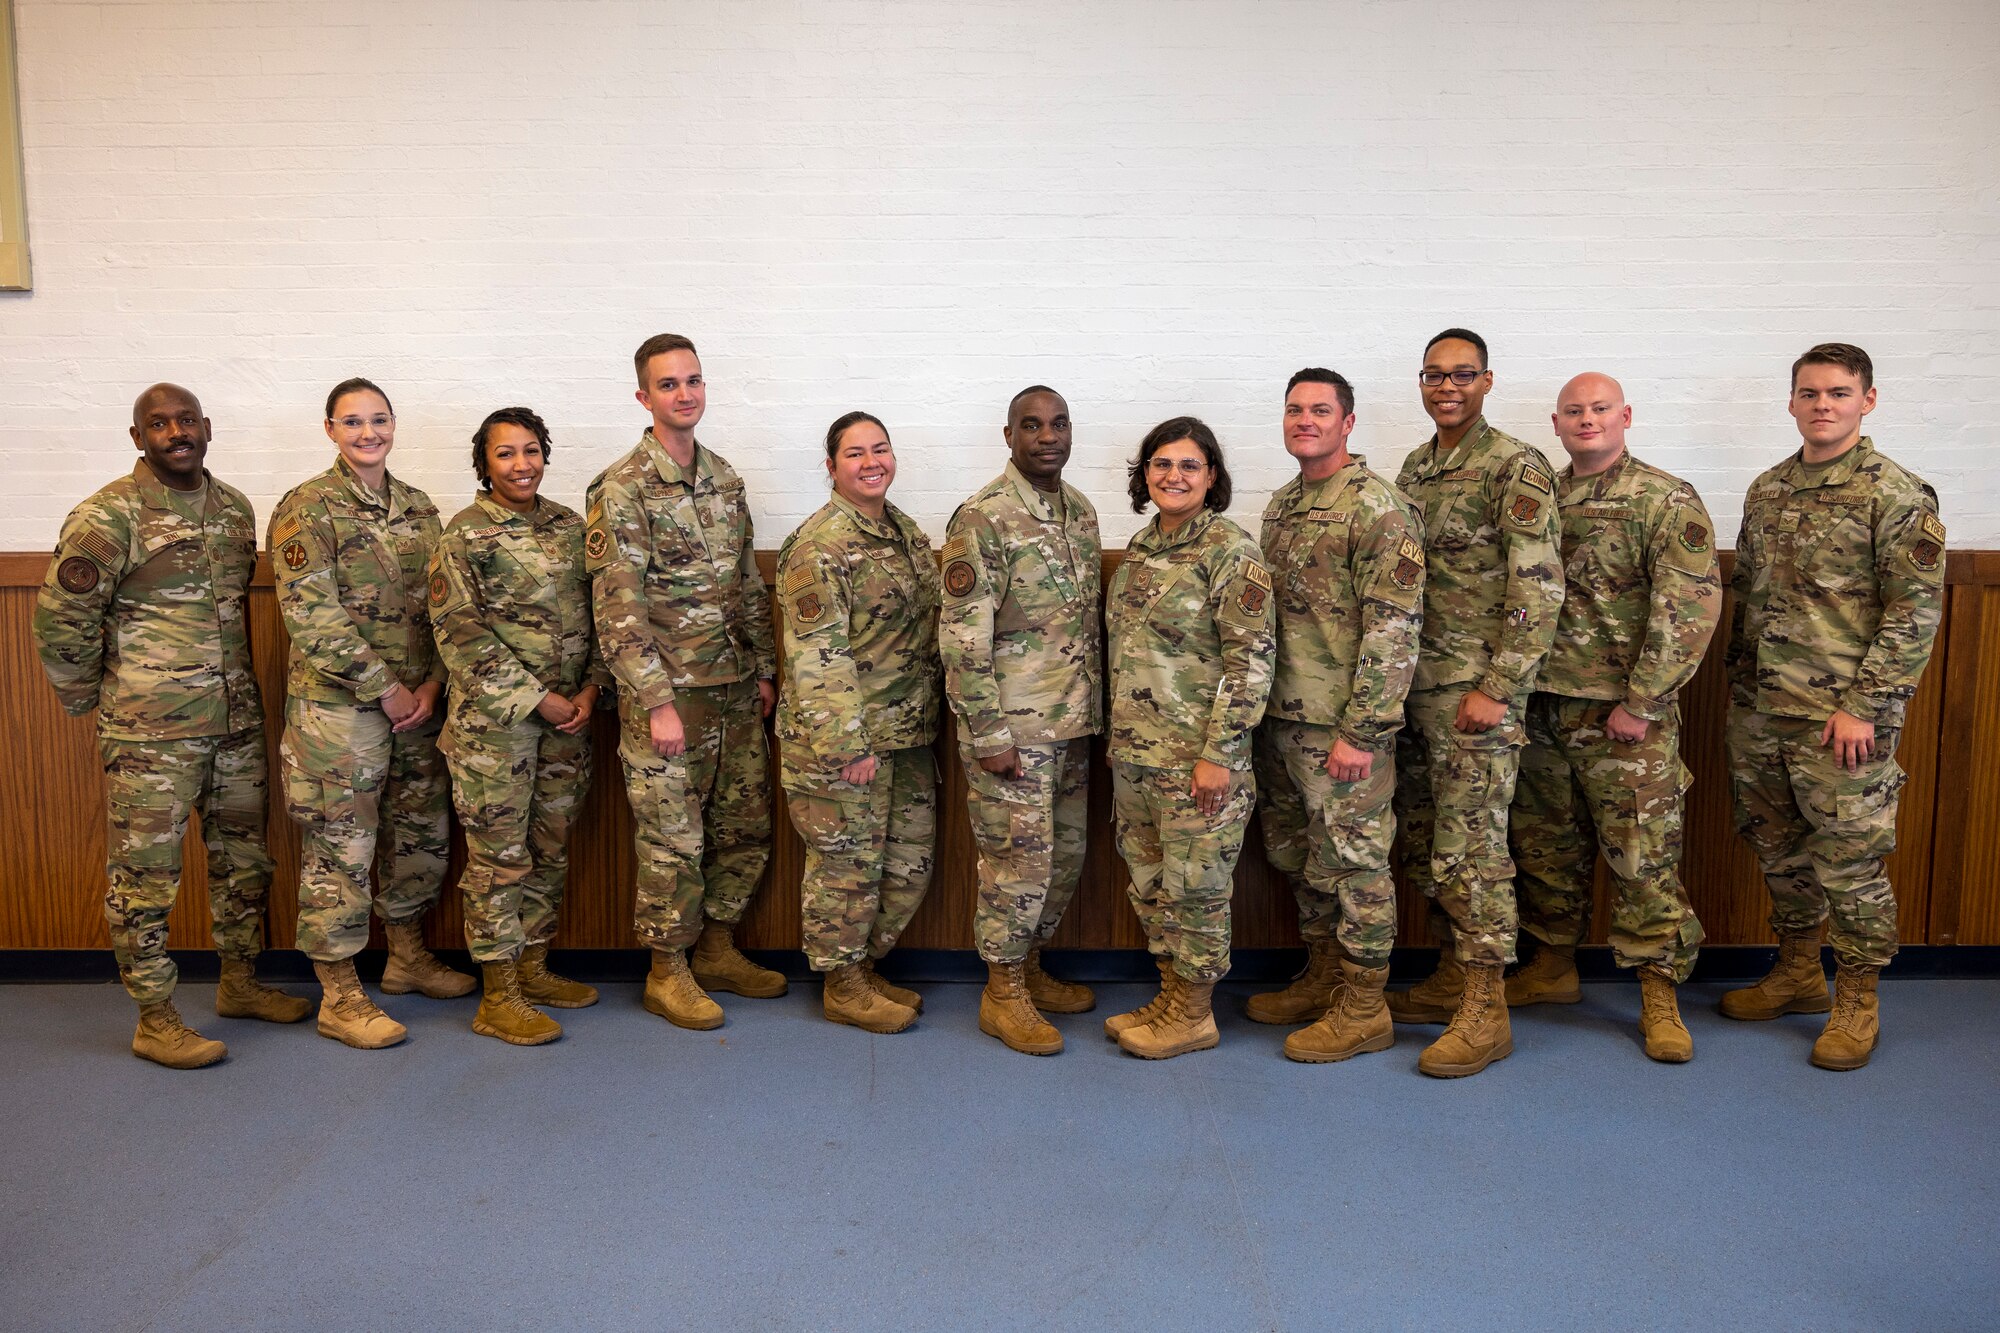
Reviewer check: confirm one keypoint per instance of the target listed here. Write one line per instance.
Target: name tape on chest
(482, 533)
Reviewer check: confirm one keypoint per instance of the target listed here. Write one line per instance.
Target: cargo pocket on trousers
(1649, 820)
(1866, 801)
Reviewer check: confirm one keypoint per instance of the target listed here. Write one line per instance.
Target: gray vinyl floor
(782, 1173)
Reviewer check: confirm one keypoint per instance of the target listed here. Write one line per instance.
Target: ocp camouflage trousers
(1452, 795)
(152, 787)
(1820, 832)
(1331, 840)
(869, 856)
(366, 799)
(701, 821)
(517, 791)
(1182, 862)
(1579, 792)
(1030, 833)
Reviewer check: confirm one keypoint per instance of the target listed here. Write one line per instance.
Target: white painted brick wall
(917, 207)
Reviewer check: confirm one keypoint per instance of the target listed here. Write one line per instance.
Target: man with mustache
(144, 618)
(1024, 670)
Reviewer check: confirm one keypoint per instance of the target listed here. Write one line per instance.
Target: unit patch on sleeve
(1695, 537)
(1409, 564)
(808, 608)
(77, 575)
(1526, 509)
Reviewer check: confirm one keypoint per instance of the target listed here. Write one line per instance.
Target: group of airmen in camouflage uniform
(1486, 654)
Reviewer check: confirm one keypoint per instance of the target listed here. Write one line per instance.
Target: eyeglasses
(1189, 467)
(1430, 379)
(380, 421)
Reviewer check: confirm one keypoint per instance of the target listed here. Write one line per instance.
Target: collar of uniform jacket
(1326, 492)
(1151, 538)
(886, 526)
(1838, 473)
(398, 494)
(1474, 436)
(669, 470)
(153, 491)
(1601, 482)
(541, 516)
(1039, 502)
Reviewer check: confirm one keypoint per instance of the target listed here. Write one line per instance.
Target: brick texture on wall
(1157, 206)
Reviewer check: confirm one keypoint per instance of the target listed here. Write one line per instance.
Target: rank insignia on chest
(959, 578)
(77, 575)
(293, 553)
(808, 608)
(1525, 510)
(1695, 537)
(596, 542)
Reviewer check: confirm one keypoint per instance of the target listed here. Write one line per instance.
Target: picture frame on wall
(14, 274)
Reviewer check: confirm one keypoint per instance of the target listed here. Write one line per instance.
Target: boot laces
(1657, 1002)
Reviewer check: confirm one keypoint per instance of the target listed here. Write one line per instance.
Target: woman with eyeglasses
(364, 780)
(856, 717)
(1191, 638)
(510, 604)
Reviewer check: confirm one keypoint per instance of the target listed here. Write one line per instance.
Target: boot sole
(359, 1045)
(708, 981)
(646, 1003)
(1505, 1049)
(1186, 1049)
(1045, 1048)
(1822, 1005)
(488, 1030)
(878, 1030)
(1670, 1059)
(1381, 1043)
(215, 1059)
(1841, 1066)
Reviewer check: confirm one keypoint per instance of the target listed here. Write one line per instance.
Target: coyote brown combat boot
(1187, 1023)
(719, 965)
(1667, 1038)
(1006, 1012)
(889, 990)
(241, 995)
(1356, 1022)
(1479, 1033)
(848, 998)
(165, 1040)
(412, 967)
(671, 992)
(1856, 1022)
(503, 1013)
(1547, 978)
(347, 1015)
(1435, 998)
(541, 986)
(1148, 1011)
(1796, 984)
(1053, 995)
(1309, 996)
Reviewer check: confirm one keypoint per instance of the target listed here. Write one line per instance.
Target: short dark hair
(507, 416)
(659, 345)
(1321, 375)
(1172, 431)
(1032, 388)
(840, 425)
(1845, 355)
(1463, 335)
(355, 385)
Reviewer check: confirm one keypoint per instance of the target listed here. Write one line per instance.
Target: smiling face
(514, 464)
(863, 465)
(674, 392)
(1316, 425)
(1590, 419)
(1177, 479)
(363, 428)
(1451, 405)
(1037, 436)
(1828, 403)
(169, 429)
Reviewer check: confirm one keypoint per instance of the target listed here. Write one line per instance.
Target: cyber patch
(1933, 529)
(808, 608)
(959, 578)
(1526, 509)
(78, 574)
(1695, 537)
